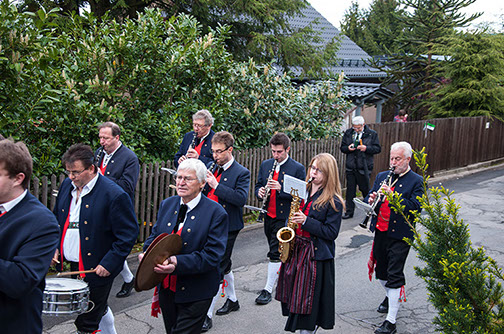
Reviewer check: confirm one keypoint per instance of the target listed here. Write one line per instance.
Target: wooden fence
(455, 142)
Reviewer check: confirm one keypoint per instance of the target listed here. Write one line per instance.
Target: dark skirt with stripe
(322, 310)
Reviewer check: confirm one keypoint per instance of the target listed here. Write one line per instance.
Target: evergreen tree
(464, 284)
(475, 73)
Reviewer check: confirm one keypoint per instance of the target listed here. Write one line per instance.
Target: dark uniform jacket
(357, 160)
(323, 225)
(28, 237)
(204, 237)
(410, 186)
(108, 228)
(283, 200)
(206, 150)
(123, 168)
(232, 193)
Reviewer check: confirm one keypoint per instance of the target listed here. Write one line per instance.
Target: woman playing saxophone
(306, 281)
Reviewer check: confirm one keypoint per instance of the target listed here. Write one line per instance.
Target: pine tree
(464, 284)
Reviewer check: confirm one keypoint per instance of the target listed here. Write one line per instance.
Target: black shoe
(126, 289)
(386, 328)
(383, 308)
(228, 307)
(263, 298)
(207, 324)
(347, 215)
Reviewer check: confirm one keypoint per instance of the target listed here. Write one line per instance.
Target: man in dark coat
(360, 144)
(120, 164)
(278, 203)
(228, 184)
(389, 248)
(98, 230)
(29, 235)
(193, 275)
(197, 144)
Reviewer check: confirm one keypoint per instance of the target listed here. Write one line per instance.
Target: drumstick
(69, 273)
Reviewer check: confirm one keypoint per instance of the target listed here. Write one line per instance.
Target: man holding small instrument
(278, 203)
(359, 143)
(120, 164)
(29, 235)
(197, 143)
(98, 230)
(192, 276)
(228, 185)
(390, 251)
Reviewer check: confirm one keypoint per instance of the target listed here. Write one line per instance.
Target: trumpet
(286, 234)
(260, 219)
(373, 210)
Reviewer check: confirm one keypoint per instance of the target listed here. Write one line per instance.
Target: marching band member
(228, 186)
(98, 230)
(29, 235)
(120, 164)
(306, 283)
(193, 275)
(196, 144)
(278, 203)
(390, 251)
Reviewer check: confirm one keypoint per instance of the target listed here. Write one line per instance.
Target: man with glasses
(29, 235)
(360, 144)
(390, 250)
(193, 275)
(120, 164)
(278, 203)
(98, 230)
(228, 185)
(197, 143)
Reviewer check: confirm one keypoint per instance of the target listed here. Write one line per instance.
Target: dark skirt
(323, 311)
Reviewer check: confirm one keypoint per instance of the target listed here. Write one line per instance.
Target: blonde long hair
(331, 185)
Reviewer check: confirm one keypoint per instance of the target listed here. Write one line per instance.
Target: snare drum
(64, 296)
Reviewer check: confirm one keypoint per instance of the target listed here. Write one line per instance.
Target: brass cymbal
(164, 246)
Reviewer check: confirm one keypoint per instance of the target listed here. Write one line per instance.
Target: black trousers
(182, 318)
(225, 265)
(390, 255)
(355, 178)
(90, 321)
(271, 227)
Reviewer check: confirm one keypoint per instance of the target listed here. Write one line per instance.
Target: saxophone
(286, 234)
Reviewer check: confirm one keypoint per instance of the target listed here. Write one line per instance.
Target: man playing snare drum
(98, 230)
(28, 235)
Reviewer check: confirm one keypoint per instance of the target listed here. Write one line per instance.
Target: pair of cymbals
(164, 246)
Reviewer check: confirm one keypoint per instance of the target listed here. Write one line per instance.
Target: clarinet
(193, 142)
(377, 200)
(98, 158)
(212, 167)
(260, 219)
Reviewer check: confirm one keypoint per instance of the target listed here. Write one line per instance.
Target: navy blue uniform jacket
(232, 192)
(410, 186)
(204, 237)
(108, 227)
(123, 168)
(206, 150)
(283, 200)
(323, 225)
(29, 236)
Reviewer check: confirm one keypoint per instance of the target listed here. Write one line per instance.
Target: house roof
(366, 92)
(351, 56)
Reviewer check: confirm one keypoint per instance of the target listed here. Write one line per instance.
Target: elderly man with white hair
(390, 251)
(360, 144)
(193, 275)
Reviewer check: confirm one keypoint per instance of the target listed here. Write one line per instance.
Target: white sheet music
(293, 183)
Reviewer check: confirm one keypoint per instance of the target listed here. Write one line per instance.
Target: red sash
(67, 222)
(300, 231)
(3, 213)
(103, 168)
(211, 193)
(198, 148)
(272, 200)
(384, 215)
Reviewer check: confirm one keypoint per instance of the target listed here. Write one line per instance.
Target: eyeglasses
(186, 179)
(74, 173)
(220, 151)
(199, 126)
(315, 169)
